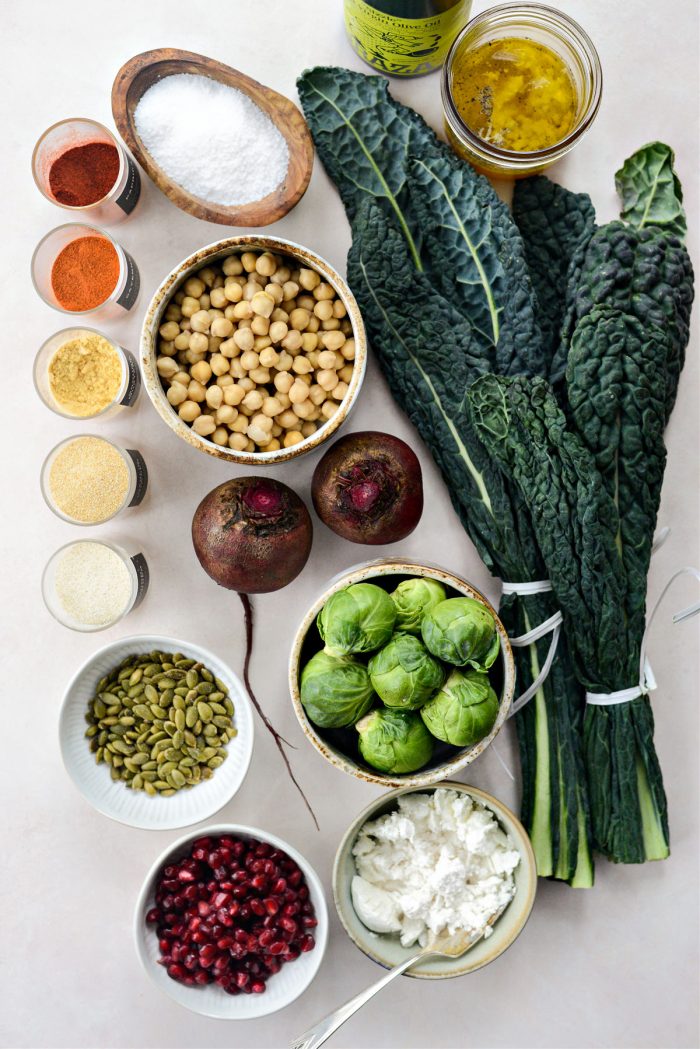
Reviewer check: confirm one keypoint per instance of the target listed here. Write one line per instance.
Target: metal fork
(444, 945)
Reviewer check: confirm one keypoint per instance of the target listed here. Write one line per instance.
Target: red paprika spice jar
(80, 269)
(79, 164)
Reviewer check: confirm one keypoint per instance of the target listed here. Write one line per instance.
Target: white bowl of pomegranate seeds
(231, 922)
(113, 797)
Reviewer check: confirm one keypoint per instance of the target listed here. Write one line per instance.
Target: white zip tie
(537, 586)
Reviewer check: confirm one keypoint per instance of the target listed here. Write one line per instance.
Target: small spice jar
(78, 164)
(87, 480)
(541, 28)
(81, 374)
(80, 269)
(91, 584)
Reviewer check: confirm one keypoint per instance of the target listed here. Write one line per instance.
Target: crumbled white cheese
(439, 861)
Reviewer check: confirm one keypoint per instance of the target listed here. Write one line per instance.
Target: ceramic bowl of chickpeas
(253, 350)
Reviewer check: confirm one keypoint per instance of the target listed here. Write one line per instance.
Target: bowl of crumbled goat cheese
(421, 861)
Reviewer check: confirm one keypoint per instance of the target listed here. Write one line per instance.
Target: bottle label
(403, 46)
(142, 577)
(129, 196)
(132, 284)
(133, 381)
(141, 475)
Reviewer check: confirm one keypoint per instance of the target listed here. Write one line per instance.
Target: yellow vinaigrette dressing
(515, 94)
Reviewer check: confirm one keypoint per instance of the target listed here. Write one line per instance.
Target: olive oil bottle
(404, 37)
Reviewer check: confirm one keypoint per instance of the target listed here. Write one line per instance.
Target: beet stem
(279, 740)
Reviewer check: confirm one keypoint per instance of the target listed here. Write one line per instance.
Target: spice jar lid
(91, 584)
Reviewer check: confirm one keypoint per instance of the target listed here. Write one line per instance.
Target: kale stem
(279, 740)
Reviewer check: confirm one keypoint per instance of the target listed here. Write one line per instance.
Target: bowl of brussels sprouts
(401, 673)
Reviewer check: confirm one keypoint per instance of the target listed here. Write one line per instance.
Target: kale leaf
(650, 190)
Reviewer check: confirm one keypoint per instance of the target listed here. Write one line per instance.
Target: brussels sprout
(394, 740)
(357, 619)
(335, 690)
(413, 598)
(464, 710)
(404, 674)
(463, 632)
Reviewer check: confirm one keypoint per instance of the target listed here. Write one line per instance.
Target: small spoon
(446, 945)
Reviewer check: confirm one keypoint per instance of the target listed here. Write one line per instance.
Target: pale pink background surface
(616, 966)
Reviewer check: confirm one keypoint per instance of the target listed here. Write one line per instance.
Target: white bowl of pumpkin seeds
(156, 732)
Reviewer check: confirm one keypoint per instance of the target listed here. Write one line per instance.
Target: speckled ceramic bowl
(387, 949)
(212, 253)
(338, 745)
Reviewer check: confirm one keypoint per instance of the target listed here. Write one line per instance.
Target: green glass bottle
(404, 37)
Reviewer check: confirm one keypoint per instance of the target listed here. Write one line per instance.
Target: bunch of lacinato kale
(538, 356)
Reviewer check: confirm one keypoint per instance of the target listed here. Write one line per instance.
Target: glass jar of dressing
(404, 37)
(521, 85)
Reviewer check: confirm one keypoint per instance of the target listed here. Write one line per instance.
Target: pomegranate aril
(225, 942)
(153, 916)
(290, 909)
(278, 887)
(263, 849)
(289, 925)
(258, 907)
(309, 922)
(259, 882)
(307, 943)
(258, 987)
(294, 878)
(190, 960)
(242, 979)
(271, 906)
(176, 972)
(186, 875)
(203, 908)
(278, 947)
(202, 977)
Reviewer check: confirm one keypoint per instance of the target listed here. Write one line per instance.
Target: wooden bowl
(142, 71)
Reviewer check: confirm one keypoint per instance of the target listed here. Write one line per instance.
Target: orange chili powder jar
(85, 273)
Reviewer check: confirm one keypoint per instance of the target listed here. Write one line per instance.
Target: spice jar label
(129, 196)
(142, 576)
(133, 381)
(141, 476)
(132, 284)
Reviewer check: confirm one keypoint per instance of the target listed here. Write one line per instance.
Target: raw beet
(252, 534)
(368, 488)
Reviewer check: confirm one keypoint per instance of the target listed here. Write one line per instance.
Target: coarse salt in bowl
(282, 988)
(135, 807)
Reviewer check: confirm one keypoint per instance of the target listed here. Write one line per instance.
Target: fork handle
(321, 1031)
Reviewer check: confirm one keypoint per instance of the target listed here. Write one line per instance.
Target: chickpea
(328, 410)
(196, 391)
(166, 367)
(314, 324)
(214, 396)
(177, 394)
(253, 400)
(262, 303)
(239, 424)
(264, 422)
(269, 357)
(232, 266)
(218, 298)
(323, 310)
(201, 372)
(233, 292)
(189, 411)
(167, 349)
(298, 392)
(249, 260)
(317, 394)
(260, 436)
(309, 341)
(339, 392)
(306, 302)
(287, 419)
(272, 445)
(249, 360)
(348, 350)
(292, 438)
(238, 442)
(221, 328)
(182, 341)
(275, 292)
(204, 425)
(333, 340)
(283, 382)
(279, 315)
(244, 338)
(304, 410)
(169, 331)
(283, 275)
(265, 264)
(277, 430)
(308, 428)
(199, 343)
(326, 359)
(260, 325)
(339, 309)
(271, 407)
(178, 297)
(302, 366)
(204, 301)
(290, 289)
(261, 376)
(278, 331)
(224, 380)
(219, 364)
(346, 327)
(190, 306)
(225, 414)
(200, 321)
(324, 291)
(309, 279)
(208, 275)
(284, 364)
(229, 348)
(229, 313)
(233, 395)
(237, 369)
(327, 378)
(261, 343)
(182, 377)
(332, 325)
(345, 373)
(284, 400)
(288, 305)
(194, 287)
(299, 319)
(243, 311)
(293, 341)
